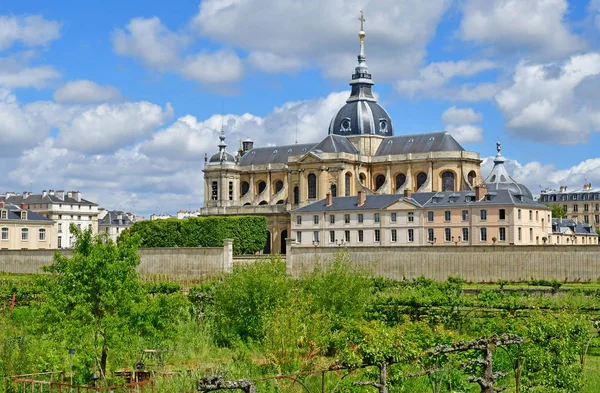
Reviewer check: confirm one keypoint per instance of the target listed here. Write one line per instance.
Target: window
(332, 218)
(245, 187)
(502, 214)
(586, 219)
(377, 235)
(59, 227)
(316, 236)
(360, 218)
(430, 237)
(24, 215)
(299, 220)
(430, 216)
(60, 242)
(215, 191)
(448, 181)
(376, 217)
(447, 215)
(333, 190)
(348, 179)
(483, 232)
(483, 215)
(597, 207)
(379, 182)
(537, 215)
(315, 219)
(465, 234)
(60, 216)
(575, 197)
(411, 216)
(4, 214)
(421, 179)
(447, 234)
(312, 186)
(519, 234)
(231, 191)
(597, 219)
(575, 208)
(360, 236)
(400, 180)
(296, 195)
(502, 234)
(79, 218)
(394, 235)
(299, 237)
(465, 215)
(519, 214)
(565, 208)
(586, 207)
(347, 236)
(4, 233)
(25, 234)
(411, 235)
(531, 234)
(42, 234)
(394, 217)
(346, 218)
(331, 236)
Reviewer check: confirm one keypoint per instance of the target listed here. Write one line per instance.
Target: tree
(96, 290)
(558, 211)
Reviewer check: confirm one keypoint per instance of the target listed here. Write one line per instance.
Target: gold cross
(361, 19)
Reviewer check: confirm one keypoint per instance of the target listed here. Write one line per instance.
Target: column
(341, 183)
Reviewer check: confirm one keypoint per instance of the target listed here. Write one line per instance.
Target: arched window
(261, 186)
(448, 181)
(471, 178)
(379, 181)
(263, 203)
(215, 191)
(400, 180)
(348, 183)
(245, 187)
(278, 186)
(363, 179)
(280, 202)
(312, 186)
(333, 190)
(421, 179)
(296, 195)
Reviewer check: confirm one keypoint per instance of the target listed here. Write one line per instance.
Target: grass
(591, 373)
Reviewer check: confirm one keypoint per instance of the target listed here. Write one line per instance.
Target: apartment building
(567, 231)
(114, 222)
(581, 205)
(22, 229)
(64, 208)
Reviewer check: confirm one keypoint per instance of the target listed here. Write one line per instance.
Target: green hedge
(249, 233)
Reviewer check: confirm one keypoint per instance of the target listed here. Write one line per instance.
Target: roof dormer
(23, 214)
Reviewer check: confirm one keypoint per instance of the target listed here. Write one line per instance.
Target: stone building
(22, 229)
(113, 222)
(581, 205)
(64, 208)
(359, 153)
(573, 232)
(499, 211)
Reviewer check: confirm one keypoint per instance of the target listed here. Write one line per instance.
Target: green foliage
(249, 233)
(558, 211)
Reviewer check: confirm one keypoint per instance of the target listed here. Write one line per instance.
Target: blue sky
(122, 99)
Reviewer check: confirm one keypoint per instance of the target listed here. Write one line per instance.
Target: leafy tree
(95, 292)
(558, 211)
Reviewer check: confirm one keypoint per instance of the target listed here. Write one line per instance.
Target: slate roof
(372, 202)
(274, 154)
(335, 144)
(467, 198)
(418, 143)
(14, 213)
(560, 225)
(37, 199)
(110, 219)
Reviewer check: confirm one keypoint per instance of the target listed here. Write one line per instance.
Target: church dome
(221, 157)
(499, 179)
(362, 114)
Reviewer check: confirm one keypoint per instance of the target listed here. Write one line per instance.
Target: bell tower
(221, 177)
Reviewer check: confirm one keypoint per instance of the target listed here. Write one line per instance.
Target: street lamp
(315, 243)
(339, 242)
(432, 241)
(456, 241)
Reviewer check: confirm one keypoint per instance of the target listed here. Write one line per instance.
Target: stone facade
(581, 205)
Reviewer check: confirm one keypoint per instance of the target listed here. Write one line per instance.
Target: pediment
(402, 204)
(310, 157)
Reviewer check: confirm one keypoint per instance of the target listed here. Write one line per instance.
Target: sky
(121, 100)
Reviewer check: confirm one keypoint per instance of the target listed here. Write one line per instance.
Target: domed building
(362, 151)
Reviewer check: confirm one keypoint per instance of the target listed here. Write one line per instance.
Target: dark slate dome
(221, 157)
(362, 114)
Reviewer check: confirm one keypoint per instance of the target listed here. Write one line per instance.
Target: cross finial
(362, 20)
(498, 145)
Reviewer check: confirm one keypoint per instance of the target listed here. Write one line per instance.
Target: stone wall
(474, 264)
(176, 263)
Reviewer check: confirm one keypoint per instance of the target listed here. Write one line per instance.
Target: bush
(249, 233)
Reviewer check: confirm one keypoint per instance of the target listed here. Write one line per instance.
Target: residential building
(581, 205)
(22, 229)
(567, 231)
(359, 153)
(113, 222)
(64, 208)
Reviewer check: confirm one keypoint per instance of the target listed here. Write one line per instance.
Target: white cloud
(85, 91)
(16, 73)
(150, 41)
(218, 67)
(553, 102)
(32, 30)
(454, 115)
(466, 133)
(511, 25)
(18, 128)
(324, 34)
(433, 79)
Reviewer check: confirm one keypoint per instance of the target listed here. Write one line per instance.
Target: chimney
(247, 145)
(51, 192)
(69, 194)
(565, 188)
(1, 204)
(60, 194)
(407, 193)
(26, 194)
(22, 206)
(562, 188)
(480, 192)
(362, 198)
(328, 199)
(77, 195)
(44, 193)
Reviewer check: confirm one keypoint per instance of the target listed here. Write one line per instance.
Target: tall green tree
(96, 291)
(558, 211)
